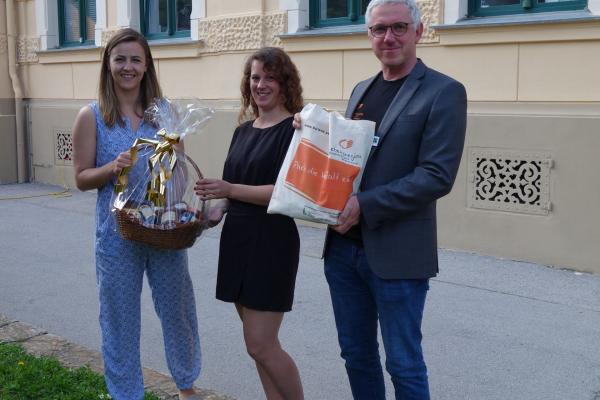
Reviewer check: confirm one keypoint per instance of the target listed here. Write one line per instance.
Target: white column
(100, 21)
(46, 19)
(594, 6)
(198, 12)
(455, 10)
(297, 14)
(128, 14)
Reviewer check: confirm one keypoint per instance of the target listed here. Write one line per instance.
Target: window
(165, 18)
(480, 8)
(337, 12)
(77, 21)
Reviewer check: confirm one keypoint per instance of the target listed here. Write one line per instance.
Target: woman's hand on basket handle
(211, 189)
(123, 160)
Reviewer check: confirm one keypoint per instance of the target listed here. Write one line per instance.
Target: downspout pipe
(11, 33)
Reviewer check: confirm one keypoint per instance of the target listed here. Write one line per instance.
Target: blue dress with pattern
(120, 268)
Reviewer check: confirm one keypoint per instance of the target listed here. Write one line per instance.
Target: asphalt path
(494, 329)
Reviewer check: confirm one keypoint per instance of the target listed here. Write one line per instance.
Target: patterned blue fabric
(120, 267)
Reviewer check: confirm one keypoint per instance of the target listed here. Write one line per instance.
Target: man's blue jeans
(360, 299)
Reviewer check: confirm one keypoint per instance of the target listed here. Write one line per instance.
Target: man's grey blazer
(415, 162)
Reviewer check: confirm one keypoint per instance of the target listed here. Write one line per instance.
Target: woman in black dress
(259, 252)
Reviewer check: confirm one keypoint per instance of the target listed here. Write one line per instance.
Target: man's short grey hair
(415, 13)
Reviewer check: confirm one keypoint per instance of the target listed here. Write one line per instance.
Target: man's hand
(349, 217)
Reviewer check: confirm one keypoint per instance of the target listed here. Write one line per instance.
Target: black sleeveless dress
(259, 252)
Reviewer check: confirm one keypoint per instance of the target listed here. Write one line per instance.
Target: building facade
(526, 188)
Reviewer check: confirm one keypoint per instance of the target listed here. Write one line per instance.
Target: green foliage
(24, 377)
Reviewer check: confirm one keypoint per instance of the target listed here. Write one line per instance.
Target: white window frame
(46, 15)
(297, 14)
(456, 10)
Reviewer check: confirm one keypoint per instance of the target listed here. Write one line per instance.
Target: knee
(259, 349)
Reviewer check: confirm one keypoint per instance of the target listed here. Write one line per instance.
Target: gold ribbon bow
(161, 164)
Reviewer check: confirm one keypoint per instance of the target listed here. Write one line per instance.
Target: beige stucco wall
(523, 97)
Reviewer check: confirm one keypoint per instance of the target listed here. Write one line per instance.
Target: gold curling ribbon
(161, 164)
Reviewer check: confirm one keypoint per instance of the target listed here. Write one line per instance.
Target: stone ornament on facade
(430, 15)
(27, 48)
(241, 33)
(3, 44)
(509, 180)
(107, 34)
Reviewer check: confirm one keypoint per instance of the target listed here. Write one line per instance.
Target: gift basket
(154, 201)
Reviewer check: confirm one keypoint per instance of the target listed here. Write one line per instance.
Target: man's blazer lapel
(408, 89)
(357, 95)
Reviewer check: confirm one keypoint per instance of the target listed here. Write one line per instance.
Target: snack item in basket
(186, 217)
(147, 214)
(168, 218)
(158, 213)
(180, 208)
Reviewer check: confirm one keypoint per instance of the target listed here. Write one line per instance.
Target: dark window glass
(183, 10)
(71, 21)
(337, 12)
(77, 21)
(166, 18)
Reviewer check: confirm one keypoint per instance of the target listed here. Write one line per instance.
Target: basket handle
(194, 165)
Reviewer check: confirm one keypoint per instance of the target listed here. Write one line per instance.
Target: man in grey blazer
(379, 258)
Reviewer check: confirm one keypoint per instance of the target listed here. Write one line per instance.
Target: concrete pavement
(493, 328)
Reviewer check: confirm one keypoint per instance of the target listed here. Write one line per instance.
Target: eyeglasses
(398, 29)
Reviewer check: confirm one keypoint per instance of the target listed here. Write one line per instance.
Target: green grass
(25, 377)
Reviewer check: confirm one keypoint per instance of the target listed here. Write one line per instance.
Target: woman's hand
(297, 123)
(215, 215)
(210, 189)
(123, 160)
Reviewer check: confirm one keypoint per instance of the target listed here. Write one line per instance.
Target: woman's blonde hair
(278, 63)
(149, 87)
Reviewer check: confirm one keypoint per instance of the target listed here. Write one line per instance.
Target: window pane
(90, 20)
(552, 1)
(334, 9)
(183, 10)
(71, 18)
(363, 6)
(158, 15)
(492, 3)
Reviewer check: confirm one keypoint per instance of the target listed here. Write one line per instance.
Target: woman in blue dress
(102, 135)
(259, 252)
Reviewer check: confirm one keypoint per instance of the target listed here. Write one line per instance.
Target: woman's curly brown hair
(278, 63)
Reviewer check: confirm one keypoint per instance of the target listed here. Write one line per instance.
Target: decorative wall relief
(63, 146)
(431, 14)
(509, 180)
(247, 32)
(107, 34)
(27, 48)
(3, 44)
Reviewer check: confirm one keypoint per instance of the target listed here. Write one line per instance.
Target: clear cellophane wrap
(154, 200)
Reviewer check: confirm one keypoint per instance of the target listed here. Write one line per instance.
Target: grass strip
(25, 377)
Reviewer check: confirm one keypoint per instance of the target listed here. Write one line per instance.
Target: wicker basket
(182, 236)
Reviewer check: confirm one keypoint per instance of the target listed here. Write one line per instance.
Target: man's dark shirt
(372, 107)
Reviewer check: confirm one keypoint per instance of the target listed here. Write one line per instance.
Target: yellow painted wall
(531, 87)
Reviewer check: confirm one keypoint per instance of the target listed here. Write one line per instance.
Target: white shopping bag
(323, 166)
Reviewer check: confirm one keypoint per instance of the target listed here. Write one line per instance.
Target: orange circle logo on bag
(346, 143)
